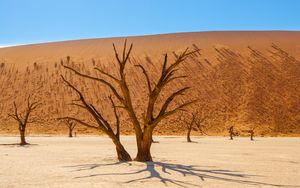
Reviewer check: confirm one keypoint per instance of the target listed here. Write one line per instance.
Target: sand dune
(235, 84)
(152, 45)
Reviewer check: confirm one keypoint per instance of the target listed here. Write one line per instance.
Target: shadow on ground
(154, 169)
(18, 145)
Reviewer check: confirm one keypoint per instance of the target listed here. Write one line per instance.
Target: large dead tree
(24, 118)
(101, 123)
(144, 128)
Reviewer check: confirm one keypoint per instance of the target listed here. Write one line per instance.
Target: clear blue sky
(31, 21)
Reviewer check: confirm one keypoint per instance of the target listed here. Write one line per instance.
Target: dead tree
(24, 118)
(190, 127)
(231, 132)
(251, 135)
(101, 123)
(71, 126)
(144, 129)
(193, 123)
(250, 132)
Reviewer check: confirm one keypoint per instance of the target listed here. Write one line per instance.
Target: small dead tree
(193, 123)
(231, 132)
(144, 129)
(190, 126)
(101, 123)
(70, 125)
(251, 135)
(251, 131)
(24, 118)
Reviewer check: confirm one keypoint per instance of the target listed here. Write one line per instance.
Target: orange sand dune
(236, 85)
(153, 44)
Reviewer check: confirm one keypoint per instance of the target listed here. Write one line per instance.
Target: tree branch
(107, 74)
(146, 76)
(112, 88)
(171, 112)
(116, 116)
(170, 99)
(79, 121)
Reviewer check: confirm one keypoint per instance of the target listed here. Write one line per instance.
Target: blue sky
(34, 21)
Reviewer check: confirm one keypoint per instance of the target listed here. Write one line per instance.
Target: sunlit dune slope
(247, 79)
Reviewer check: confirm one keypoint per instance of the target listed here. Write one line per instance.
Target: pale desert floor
(209, 162)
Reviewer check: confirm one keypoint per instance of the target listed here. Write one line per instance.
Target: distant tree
(24, 118)
(193, 122)
(144, 129)
(251, 134)
(70, 124)
(252, 129)
(231, 132)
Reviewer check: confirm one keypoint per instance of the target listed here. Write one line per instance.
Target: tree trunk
(144, 146)
(231, 136)
(251, 136)
(22, 136)
(189, 135)
(123, 155)
(70, 132)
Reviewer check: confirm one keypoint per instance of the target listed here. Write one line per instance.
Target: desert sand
(154, 45)
(208, 162)
(235, 85)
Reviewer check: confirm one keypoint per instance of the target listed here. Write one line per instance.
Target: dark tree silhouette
(251, 135)
(231, 132)
(193, 122)
(251, 131)
(102, 124)
(144, 129)
(24, 118)
(70, 125)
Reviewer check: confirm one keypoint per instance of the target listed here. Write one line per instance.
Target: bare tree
(251, 131)
(231, 132)
(190, 126)
(24, 118)
(144, 129)
(101, 123)
(251, 134)
(70, 125)
(193, 123)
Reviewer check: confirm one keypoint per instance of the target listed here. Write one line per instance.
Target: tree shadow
(191, 142)
(154, 169)
(93, 166)
(18, 145)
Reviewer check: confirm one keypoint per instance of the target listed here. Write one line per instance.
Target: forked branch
(112, 88)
